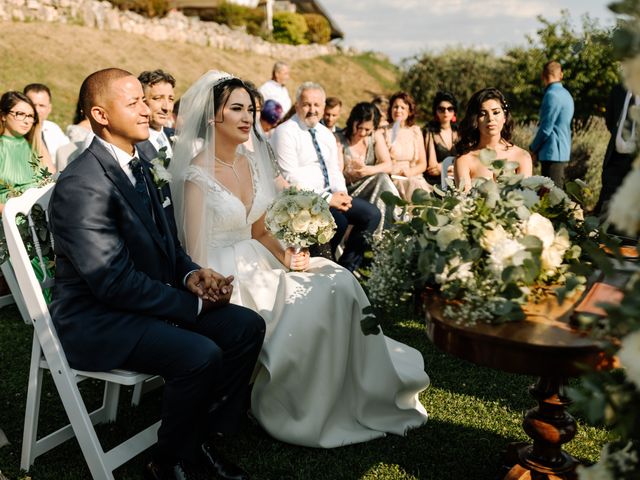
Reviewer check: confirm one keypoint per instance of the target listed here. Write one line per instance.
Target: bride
(319, 381)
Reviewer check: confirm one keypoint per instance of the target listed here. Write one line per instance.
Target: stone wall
(174, 27)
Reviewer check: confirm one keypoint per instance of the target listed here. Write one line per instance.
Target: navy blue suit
(119, 300)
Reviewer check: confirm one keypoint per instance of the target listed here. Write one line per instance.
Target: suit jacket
(148, 149)
(553, 139)
(117, 269)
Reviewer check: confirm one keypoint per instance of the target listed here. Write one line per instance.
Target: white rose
(448, 234)
(540, 227)
(300, 222)
(462, 272)
(493, 236)
(629, 356)
(552, 256)
(313, 228)
(505, 254)
(624, 209)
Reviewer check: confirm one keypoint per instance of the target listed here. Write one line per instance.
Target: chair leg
(32, 410)
(143, 387)
(10, 277)
(110, 401)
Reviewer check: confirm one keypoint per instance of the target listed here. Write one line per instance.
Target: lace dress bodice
(228, 221)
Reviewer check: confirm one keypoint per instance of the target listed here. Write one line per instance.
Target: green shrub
(319, 30)
(289, 28)
(235, 15)
(148, 8)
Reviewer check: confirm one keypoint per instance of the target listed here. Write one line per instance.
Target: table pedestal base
(550, 426)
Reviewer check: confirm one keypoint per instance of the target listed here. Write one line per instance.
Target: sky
(403, 28)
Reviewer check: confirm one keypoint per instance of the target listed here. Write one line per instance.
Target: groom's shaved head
(95, 88)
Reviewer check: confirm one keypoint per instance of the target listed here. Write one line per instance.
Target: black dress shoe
(178, 471)
(224, 469)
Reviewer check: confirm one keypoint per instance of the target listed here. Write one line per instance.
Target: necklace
(232, 166)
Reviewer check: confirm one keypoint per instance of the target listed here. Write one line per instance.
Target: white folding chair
(444, 173)
(47, 354)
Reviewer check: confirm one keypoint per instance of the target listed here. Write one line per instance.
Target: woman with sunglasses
(21, 149)
(441, 135)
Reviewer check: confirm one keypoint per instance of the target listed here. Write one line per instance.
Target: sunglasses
(445, 109)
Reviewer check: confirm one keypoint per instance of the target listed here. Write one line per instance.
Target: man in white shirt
(307, 153)
(275, 88)
(52, 134)
(159, 96)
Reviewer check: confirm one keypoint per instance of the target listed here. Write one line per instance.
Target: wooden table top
(544, 344)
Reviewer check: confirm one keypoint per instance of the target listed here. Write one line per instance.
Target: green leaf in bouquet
(392, 200)
(512, 291)
(432, 217)
(574, 190)
(370, 324)
(487, 156)
(531, 270)
(572, 283)
(420, 196)
(598, 256)
(532, 244)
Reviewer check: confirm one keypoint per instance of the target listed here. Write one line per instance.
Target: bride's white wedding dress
(320, 382)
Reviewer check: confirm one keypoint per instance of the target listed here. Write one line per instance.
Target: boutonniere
(159, 165)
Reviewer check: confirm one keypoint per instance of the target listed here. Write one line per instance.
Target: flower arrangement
(487, 252)
(300, 218)
(613, 398)
(159, 165)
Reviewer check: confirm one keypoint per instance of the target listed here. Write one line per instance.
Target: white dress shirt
(299, 161)
(53, 138)
(272, 90)
(159, 139)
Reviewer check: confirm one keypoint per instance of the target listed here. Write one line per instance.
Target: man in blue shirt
(552, 143)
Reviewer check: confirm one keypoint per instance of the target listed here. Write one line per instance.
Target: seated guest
(21, 149)
(406, 146)
(441, 135)
(308, 156)
(487, 123)
(81, 127)
(270, 115)
(80, 136)
(159, 96)
(382, 103)
(52, 135)
(275, 89)
(332, 108)
(366, 159)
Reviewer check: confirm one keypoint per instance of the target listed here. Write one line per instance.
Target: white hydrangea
(552, 256)
(557, 196)
(492, 236)
(507, 253)
(624, 209)
(454, 270)
(529, 197)
(540, 227)
(536, 181)
(629, 356)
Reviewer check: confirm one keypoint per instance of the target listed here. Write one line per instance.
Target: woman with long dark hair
(487, 124)
(21, 149)
(364, 154)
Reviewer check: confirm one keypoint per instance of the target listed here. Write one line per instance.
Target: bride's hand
(297, 261)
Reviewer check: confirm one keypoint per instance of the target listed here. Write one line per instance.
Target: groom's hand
(208, 284)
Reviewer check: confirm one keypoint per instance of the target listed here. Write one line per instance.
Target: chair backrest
(30, 286)
(444, 173)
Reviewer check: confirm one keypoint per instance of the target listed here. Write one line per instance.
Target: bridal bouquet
(487, 252)
(300, 218)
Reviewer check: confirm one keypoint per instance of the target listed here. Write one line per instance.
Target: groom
(128, 296)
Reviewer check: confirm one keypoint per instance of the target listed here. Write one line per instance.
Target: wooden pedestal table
(542, 345)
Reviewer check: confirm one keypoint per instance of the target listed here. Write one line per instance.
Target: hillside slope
(61, 56)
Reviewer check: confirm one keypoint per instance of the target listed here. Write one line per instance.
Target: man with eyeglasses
(52, 134)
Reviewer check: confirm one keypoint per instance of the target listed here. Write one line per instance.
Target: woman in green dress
(366, 160)
(21, 149)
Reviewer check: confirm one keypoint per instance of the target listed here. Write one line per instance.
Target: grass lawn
(474, 413)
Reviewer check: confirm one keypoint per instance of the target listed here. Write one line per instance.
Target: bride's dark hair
(221, 93)
(468, 129)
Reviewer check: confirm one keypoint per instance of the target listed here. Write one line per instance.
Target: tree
(319, 30)
(289, 27)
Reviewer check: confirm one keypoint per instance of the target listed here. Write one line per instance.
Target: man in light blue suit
(552, 143)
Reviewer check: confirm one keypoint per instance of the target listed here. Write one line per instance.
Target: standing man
(275, 89)
(128, 296)
(552, 143)
(159, 96)
(331, 114)
(52, 134)
(308, 155)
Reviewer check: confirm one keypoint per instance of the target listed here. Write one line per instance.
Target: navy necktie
(323, 166)
(141, 184)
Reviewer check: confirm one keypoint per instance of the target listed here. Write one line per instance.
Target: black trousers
(554, 170)
(209, 363)
(365, 218)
